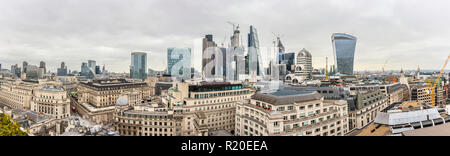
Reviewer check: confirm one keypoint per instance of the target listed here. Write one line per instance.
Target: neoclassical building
(44, 97)
(17, 94)
(52, 101)
(207, 106)
(96, 100)
(291, 113)
(150, 118)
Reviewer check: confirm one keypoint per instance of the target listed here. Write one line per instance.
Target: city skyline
(56, 32)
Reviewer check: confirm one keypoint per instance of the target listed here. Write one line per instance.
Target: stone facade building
(17, 94)
(150, 118)
(364, 106)
(51, 101)
(291, 113)
(393, 92)
(96, 100)
(207, 106)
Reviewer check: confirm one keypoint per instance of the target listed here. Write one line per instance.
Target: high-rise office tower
(62, 71)
(42, 66)
(289, 60)
(86, 71)
(254, 56)
(84, 66)
(224, 58)
(179, 58)
(32, 72)
(92, 64)
(24, 66)
(15, 69)
(344, 46)
(235, 41)
(208, 42)
(97, 70)
(303, 64)
(281, 50)
(138, 69)
(236, 60)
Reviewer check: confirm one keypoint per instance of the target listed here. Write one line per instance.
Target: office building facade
(344, 47)
(207, 106)
(52, 101)
(96, 100)
(254, 56)
(179, 58)
(303, 64)
(291, 113)
(364, 106)
(138, 69)
(62, 71)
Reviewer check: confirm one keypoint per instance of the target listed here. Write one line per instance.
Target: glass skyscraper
(179, 58)
(138, 69)
(86, 71)
(92, 64)
(254, 52)
(344, 46)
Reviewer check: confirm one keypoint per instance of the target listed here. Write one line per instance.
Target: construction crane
(326, 70)
(384, 66)
(433, 86)
(275, 42)
(224, 39)
(235, 26)
(277, 36)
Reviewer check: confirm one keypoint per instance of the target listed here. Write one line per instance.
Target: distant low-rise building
(364, 106)
(329, 93)
(420, 93)
(394, 91)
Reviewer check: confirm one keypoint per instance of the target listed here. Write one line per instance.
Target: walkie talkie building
(344, 46)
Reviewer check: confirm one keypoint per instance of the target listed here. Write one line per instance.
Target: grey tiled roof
(286, 97)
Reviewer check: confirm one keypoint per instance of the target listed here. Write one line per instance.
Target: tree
(8, 127)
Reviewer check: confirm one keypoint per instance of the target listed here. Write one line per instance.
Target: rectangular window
(290, 107)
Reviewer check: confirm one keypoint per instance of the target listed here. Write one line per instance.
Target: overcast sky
(404, 32)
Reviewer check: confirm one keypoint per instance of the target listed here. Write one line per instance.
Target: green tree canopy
(9, 127)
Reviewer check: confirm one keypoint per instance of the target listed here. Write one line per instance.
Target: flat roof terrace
(286, 97)
(441, 130)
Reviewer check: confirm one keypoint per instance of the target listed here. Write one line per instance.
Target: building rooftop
(343, 36)
(285, 97)
(374, 130)
(441, 130)
(53, 89)
(282, 93)
(220, 133)
(406, 117)
(105, 83)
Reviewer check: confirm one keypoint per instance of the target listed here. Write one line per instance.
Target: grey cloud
(407, 32)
